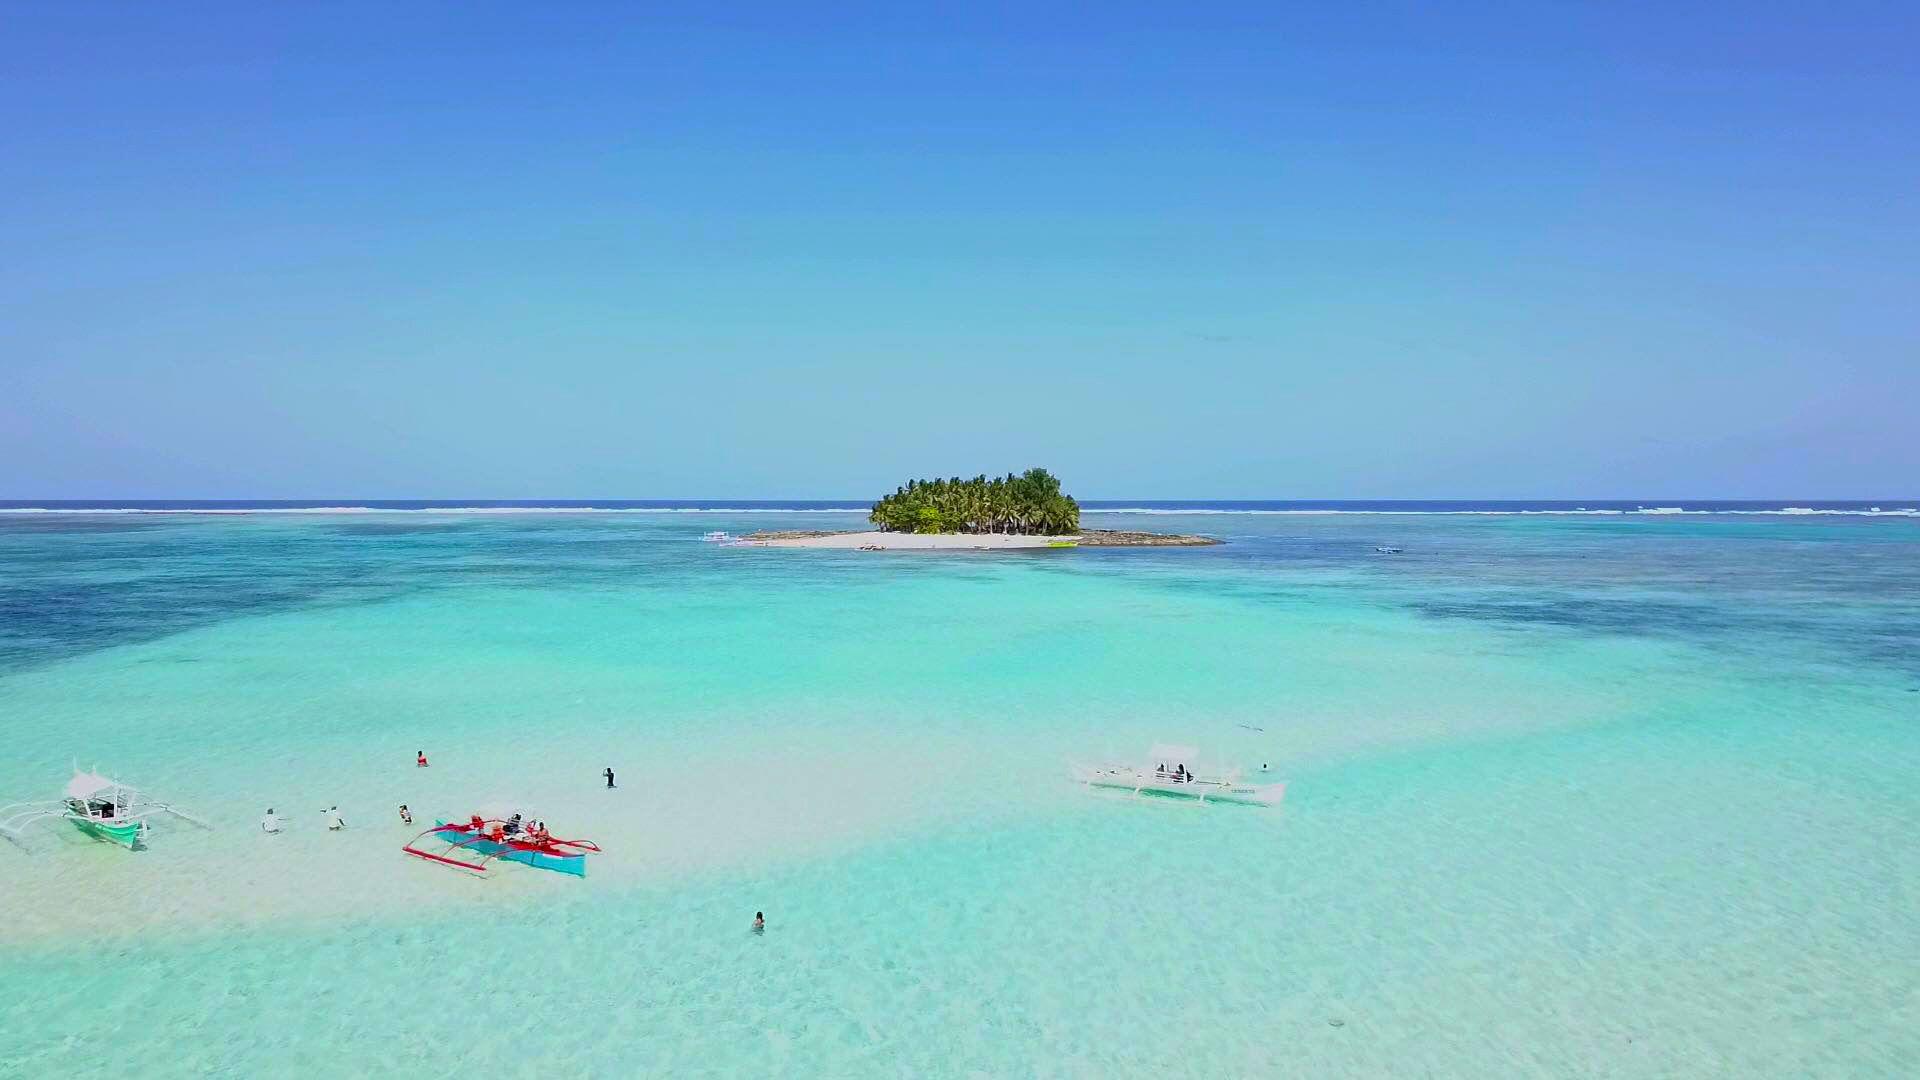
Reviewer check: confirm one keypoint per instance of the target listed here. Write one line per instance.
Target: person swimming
(420, 759)
(271, 822)
(759, 922)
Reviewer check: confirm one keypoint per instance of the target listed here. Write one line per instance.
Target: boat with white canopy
(100, 806)
(1179, 772)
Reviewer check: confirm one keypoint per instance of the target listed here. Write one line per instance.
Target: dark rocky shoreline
(1129, 538)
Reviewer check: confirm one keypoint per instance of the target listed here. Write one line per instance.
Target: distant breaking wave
(1654, 511)
(1199, 508)
(248, 510)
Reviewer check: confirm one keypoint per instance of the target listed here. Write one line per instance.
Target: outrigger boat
(478, 842)
(1171, 771)
(100, 806)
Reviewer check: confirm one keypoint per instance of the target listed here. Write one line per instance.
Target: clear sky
(1262, 250)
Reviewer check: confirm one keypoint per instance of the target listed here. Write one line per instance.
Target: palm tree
(1024, 503)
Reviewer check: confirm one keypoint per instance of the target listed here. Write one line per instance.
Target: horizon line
(344, 500)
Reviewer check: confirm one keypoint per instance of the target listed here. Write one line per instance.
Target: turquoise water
(1568, 796)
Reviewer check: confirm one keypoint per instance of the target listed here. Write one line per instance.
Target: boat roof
(85, 785)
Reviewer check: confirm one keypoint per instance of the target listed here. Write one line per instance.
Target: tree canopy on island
(1028, 503)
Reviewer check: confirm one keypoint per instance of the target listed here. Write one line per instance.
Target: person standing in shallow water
(609, 777)
(420, 759)
(759, 922)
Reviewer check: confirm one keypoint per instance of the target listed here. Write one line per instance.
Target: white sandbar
(893, 541)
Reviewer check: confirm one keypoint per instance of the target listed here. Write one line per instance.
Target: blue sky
(1362, 251)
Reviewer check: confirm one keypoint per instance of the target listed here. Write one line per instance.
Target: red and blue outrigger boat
(477, 843)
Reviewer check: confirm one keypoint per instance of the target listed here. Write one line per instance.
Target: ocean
(1575, 789)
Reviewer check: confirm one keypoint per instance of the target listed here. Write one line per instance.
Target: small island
(1028, 510)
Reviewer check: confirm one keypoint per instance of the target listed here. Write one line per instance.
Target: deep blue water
(1737, 577)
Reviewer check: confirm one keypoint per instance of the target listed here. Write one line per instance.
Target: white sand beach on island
(897, 541)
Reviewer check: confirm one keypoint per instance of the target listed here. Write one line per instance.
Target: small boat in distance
(716, 537)
(100, 806)
(1386, 549)
(1176, 772)
(475, 844)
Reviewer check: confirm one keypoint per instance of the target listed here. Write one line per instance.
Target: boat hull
(1198, 791)
(540, 860)
(127, 834)
(465, 843)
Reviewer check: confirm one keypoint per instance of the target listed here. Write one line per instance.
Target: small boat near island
(1167, 772)
(477, 843)
(717, 536)
(99, 806)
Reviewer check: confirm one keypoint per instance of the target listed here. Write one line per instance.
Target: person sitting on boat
(1160, 770)
(499, 832)
(271, 822)
(513, 825)
(1180, 773)
(477, 823)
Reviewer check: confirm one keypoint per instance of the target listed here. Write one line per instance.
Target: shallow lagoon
(1572, 796)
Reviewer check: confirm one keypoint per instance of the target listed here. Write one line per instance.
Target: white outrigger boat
(716, 537)
(100, 806)
(1175, 771)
